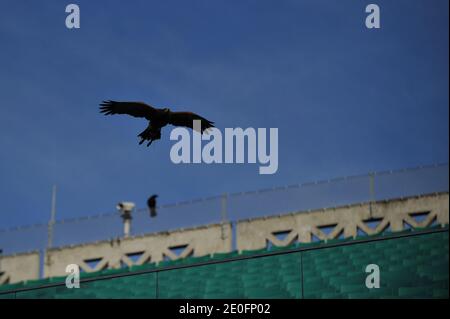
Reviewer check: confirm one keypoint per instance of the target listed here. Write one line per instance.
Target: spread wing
(136, 109)
(186, 119)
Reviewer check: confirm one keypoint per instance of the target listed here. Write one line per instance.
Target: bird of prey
(151, 203)
(158, 118)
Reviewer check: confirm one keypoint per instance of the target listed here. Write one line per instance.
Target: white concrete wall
(15, 268)
(201, 241)
(254, 233)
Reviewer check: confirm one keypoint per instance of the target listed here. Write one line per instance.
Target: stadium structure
(254, 245)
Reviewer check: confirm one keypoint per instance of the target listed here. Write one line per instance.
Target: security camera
(125, 209)
(125, 206)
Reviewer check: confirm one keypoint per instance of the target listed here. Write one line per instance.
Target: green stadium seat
(266, 293)
(254, 252)
(331, 295)
(142, 267)
(411, 267)
(415, 292)
(225, 255)
(12, 286)
(346, 289)
(360, 295)
(440, 293)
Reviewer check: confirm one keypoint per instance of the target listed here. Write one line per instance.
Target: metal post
(371, 192)
(52, 218)
(224, 214)
(1, 252)
(51, 223)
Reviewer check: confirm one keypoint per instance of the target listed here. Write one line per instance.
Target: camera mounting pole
(125, 209)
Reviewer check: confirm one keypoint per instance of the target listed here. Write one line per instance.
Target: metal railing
(234, 207)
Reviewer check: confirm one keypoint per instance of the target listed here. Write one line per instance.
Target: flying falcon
(158, 118)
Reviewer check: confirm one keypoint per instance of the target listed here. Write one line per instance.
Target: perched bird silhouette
(151, 203)
(158, 118)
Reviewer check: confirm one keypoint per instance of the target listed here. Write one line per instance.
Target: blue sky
(347, 100)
